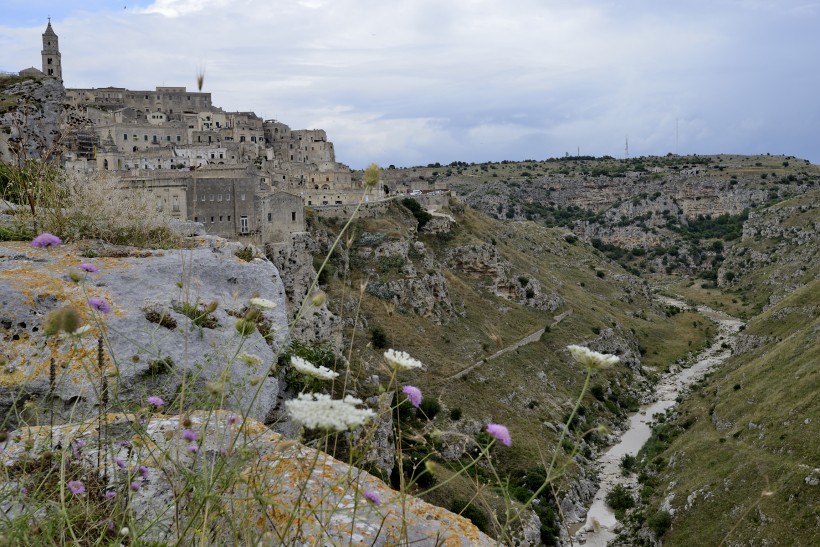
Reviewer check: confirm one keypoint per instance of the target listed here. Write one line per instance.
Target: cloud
(470, 80)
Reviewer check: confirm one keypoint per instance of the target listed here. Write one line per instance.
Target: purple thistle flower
(231, 419)
(90, 268)
(372, 496)
(135, 486)
(99, 304)
(76, 487)
(413, 395)
(24, 490)
(193, 449)
(153, 400)
(120, 463)
(189, 435)
(45, 239)
(110, 494)
(500, 433)
(143, 471)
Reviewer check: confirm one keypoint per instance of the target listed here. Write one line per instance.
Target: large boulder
(259, 488)
(172, 324)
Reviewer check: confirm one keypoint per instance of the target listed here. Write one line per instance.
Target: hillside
(456, 297)
(739, 461)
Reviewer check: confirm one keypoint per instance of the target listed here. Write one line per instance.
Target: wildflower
(124, 531)
(90, 268)
(99, 304)
(81, 331)
(263, 303)
(372, 496)
(135, 486)
(500, 433)
(401, 360)
(45, 239)
(592, 359)
(110, 494)
(413, 395)
(189, 435)
(24, 490)
(319, 411)
(76, 487)
(155, 401)
(308, 368)
(250, 359)
(120, 463)
(193, 449)
(143, 471)
(230, 420)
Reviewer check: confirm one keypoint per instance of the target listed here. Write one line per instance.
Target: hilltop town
(242, 177)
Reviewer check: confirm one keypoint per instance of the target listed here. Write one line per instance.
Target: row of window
(219, 197)
(145, 138)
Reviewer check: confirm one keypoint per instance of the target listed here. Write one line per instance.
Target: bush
(421, 214)
(619, 498)
(455, 414)
(429, 407)
(660, 522)
(378, 337)
(471, 512)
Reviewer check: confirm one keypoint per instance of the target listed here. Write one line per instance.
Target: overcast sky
(412, 82)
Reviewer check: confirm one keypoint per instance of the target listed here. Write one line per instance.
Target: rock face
(172, 322)
(275, 491)
(294, 260)
(35, 123)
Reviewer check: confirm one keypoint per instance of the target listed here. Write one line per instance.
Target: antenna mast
(626, 149)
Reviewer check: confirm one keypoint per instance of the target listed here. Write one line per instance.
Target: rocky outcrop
(271, 491)
(173, 321)
(294, 260)
(426, 296)
(35, 124)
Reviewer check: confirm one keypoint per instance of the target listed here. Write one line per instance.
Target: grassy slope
(756, 418)
(536, 383)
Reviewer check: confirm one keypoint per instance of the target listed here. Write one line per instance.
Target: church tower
(52, 67)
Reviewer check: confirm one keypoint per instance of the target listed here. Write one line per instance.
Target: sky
(414, 82)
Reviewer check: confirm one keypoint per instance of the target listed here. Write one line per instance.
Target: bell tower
(52, 66)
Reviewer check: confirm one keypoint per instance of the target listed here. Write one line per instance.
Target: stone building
(52, 61)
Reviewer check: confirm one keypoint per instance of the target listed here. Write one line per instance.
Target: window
(212, 197)
(242, 138)
(243, 197)
(219, 197)
(168, 138)
(212, 155)
(125, 136)
(212, 219)
(145, 138)
(220, 218)
(176, 204)
(178, 138)
(227, 197)
(229, 218)
(49, 60)
(196, 219)
(270, 217)
(243, 225)
(293, 216)
(203, 197)
(220, 155)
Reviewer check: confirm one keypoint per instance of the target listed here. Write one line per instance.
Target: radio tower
(626, 148)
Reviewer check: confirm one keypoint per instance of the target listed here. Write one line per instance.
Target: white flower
(82, 330)
(319, 411)
(592, 359)
(306, 367)
(250, 359)
(263, 303)
(401, 360)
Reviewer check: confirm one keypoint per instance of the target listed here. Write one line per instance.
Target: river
(601, 524)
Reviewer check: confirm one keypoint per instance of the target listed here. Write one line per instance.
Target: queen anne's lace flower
(308, 368)
(592, 359)
(319, 411)
(263, 303)
(401, 360)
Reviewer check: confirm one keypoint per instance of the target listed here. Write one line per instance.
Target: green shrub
(429, 407)
(378, 337)
(455, 414)
(619, 498)
(471, 512)
(660, 522)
